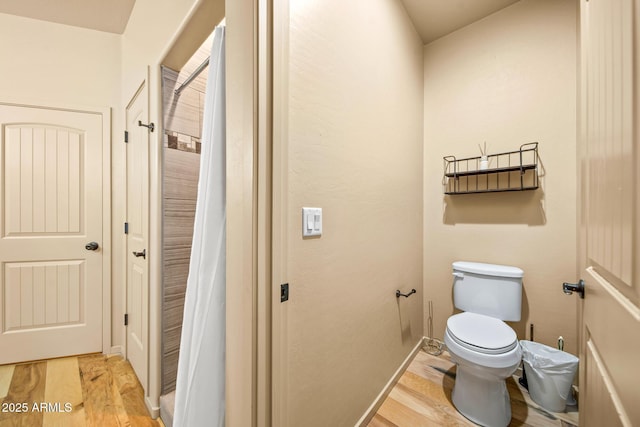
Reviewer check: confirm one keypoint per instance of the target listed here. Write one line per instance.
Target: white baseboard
(371, 411)
(117, 349)
(154, 411)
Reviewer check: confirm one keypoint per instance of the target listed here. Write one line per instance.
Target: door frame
(280, 155)
(105, 114)
(248, 190)
(194, 29)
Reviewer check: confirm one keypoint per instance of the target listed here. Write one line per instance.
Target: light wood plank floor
(92, 390)
(422, 397)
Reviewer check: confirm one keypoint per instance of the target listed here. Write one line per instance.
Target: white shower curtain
(200, 397)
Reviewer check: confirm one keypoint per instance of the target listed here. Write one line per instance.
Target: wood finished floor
(91, 390)
(422, 397)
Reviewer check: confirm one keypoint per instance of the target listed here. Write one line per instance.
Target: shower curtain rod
(193, 75)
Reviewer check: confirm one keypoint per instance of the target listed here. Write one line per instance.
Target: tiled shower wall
(183, 128)
(183, 112)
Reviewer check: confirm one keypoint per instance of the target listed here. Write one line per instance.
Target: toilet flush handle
(457, 274)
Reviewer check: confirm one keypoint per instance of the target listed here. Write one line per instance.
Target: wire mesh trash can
(550, 374)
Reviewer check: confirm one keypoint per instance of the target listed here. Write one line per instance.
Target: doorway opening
(182, 115)
(183, 102)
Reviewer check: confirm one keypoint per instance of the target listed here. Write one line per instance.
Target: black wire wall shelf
(493, 173)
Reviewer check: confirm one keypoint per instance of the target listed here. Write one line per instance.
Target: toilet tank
(489, 289)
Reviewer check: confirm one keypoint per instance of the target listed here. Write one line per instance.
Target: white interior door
(137, 113)
(50, 209)
(610, 224)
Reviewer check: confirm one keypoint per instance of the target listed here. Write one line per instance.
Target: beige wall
(151, 30)
(60, 65)
(355, 150)
(52, 63)
(508, 79)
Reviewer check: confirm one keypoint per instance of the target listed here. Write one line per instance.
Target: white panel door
(138, 233)
(609, 228)
(50, 209)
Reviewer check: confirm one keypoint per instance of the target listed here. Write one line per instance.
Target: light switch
(311, 222)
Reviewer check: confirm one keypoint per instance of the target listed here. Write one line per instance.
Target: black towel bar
(400, 294)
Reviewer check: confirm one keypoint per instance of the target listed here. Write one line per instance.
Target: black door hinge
(126, 320)
(126, 136)
(284, 292)
(126, 228)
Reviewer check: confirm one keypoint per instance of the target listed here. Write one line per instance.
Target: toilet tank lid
(488, 269)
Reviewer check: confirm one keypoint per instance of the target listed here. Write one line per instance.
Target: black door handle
(570, 288)
(92, 246)
(142, 254)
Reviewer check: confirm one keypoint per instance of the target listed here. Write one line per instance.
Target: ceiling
(436, 18)
(102, 15)
(432, 18)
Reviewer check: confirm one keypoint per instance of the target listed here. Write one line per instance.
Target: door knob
(570, 288)
(91, 246)
(142, 254)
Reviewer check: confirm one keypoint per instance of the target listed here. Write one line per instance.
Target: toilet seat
(481, 334)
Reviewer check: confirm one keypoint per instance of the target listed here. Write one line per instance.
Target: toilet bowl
(484, 348)
(486, 352)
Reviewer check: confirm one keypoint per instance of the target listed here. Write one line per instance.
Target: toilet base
(481, 399)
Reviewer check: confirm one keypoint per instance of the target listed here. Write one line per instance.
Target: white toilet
(484, 348)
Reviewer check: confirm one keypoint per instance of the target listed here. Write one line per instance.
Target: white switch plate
(311, 222)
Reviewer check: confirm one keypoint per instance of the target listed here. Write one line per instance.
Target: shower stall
(183, 97)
